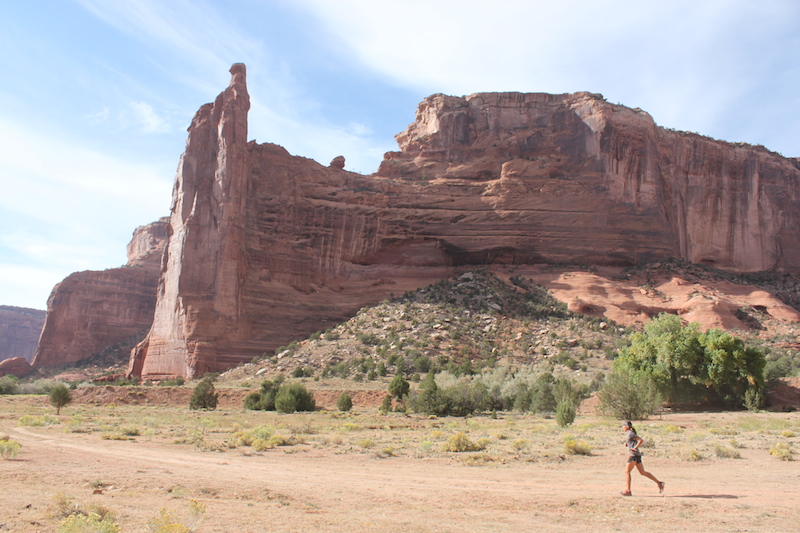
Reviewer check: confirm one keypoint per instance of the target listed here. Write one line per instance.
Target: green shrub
(204, 395)
(248, 437)
(177, 382)
(520, 445)
(301, 372)
(88, 523)
(629, 396)
(8, 384)
(370, 339)
(285, 402)
(386, 404)
(542, 399)
(253, 402)
(169, 522)
(461, 443)
(727, 453)
(37, 421)
(565, 413)
(264, 399)
(345, 402)
(59, 397)
(782, 451)
(754, 399)
(130, 431)
(462, 399)
(692, 455)
(292, 397)
(9, 449)
(576, 447)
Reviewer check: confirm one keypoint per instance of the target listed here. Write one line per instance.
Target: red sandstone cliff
(19, 331)
(92, 310)
(265, 247)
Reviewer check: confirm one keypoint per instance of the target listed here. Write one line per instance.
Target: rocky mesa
(264, 247)
(91, 311)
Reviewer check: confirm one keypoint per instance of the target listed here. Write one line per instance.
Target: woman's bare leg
(628, 468)
(643, 472)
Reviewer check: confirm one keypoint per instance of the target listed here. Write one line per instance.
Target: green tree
(686, 364)
(668, 351)
(59, 397)
(731, 368)
(204, 395)
(398, 387)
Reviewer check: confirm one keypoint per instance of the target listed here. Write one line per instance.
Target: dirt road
(315, 489)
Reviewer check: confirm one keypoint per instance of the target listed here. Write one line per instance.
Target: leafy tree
(59, 397)
(685, 363)
(669, 352)
(398, 387)
(731, 368)
(204, 396)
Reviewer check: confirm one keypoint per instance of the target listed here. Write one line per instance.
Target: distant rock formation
(20, 328)
(15, 366)
(92, 310)
(264, 247)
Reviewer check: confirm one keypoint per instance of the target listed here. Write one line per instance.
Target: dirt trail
(317, 490)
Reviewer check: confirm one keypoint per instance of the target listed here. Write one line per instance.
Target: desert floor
(362, 471)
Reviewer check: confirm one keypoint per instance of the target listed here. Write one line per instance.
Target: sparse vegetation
(9, 449)
(461, 443)
(782, 451)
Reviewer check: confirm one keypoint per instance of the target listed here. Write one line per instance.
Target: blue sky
(96, 95)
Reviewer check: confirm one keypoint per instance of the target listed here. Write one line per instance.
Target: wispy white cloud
(149, 120)
(692, 65)
(47, 159)
(31, 286)
(66, 208)
(282, 112)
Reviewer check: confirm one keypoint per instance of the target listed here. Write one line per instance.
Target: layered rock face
(91, 311)
(264, 247)
(20, 328)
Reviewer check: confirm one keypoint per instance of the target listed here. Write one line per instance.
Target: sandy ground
(318, 488)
